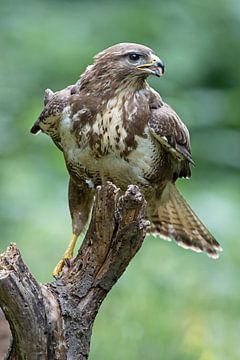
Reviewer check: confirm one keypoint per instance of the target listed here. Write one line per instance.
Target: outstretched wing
(166, 126)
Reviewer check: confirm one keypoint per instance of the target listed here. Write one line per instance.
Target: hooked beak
(155, 67)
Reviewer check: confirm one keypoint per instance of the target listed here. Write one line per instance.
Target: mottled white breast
(108, 127)
(111, 143)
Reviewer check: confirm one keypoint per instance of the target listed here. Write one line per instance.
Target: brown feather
(111, 126)
(54, 104)
(166, 126)
(176, 220)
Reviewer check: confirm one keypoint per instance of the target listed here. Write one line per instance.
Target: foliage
(170, 304)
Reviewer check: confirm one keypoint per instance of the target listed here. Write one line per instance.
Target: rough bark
(5, 335)
(54, 321)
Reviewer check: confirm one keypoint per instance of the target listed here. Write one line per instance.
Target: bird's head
(128, 60)
(119, 66)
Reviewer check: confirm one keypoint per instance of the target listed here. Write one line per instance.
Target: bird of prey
(112, 126)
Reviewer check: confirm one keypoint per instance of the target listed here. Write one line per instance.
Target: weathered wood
(5, 335)
(54, 321)
(22, 302)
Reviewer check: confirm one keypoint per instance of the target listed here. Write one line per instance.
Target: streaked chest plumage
(113, 145)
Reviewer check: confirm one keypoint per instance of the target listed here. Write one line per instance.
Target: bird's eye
(134, 57)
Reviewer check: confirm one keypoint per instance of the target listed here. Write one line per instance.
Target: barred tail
(176, 220)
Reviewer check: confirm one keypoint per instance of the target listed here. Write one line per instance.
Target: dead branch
(54, 321)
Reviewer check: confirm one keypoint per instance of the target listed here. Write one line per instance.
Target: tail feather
(176, 220)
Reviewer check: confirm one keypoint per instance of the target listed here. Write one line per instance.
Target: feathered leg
(80, 198)
(176, 220)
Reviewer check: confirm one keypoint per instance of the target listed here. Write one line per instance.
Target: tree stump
(54, 320)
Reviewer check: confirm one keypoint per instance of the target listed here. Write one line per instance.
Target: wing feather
(48, 120)
(166, 126)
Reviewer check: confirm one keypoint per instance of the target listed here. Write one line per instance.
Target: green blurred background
(171, 304)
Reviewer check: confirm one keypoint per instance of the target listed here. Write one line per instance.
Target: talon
(65, 260)
(58, 269)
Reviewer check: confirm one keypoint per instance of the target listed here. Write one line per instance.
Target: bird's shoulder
(167, 128)
(54, 104)
(83, 106)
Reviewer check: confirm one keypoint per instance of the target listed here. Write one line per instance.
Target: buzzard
(112, 126)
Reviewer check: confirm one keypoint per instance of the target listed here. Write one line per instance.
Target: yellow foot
(58, 268)
(67, 256)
